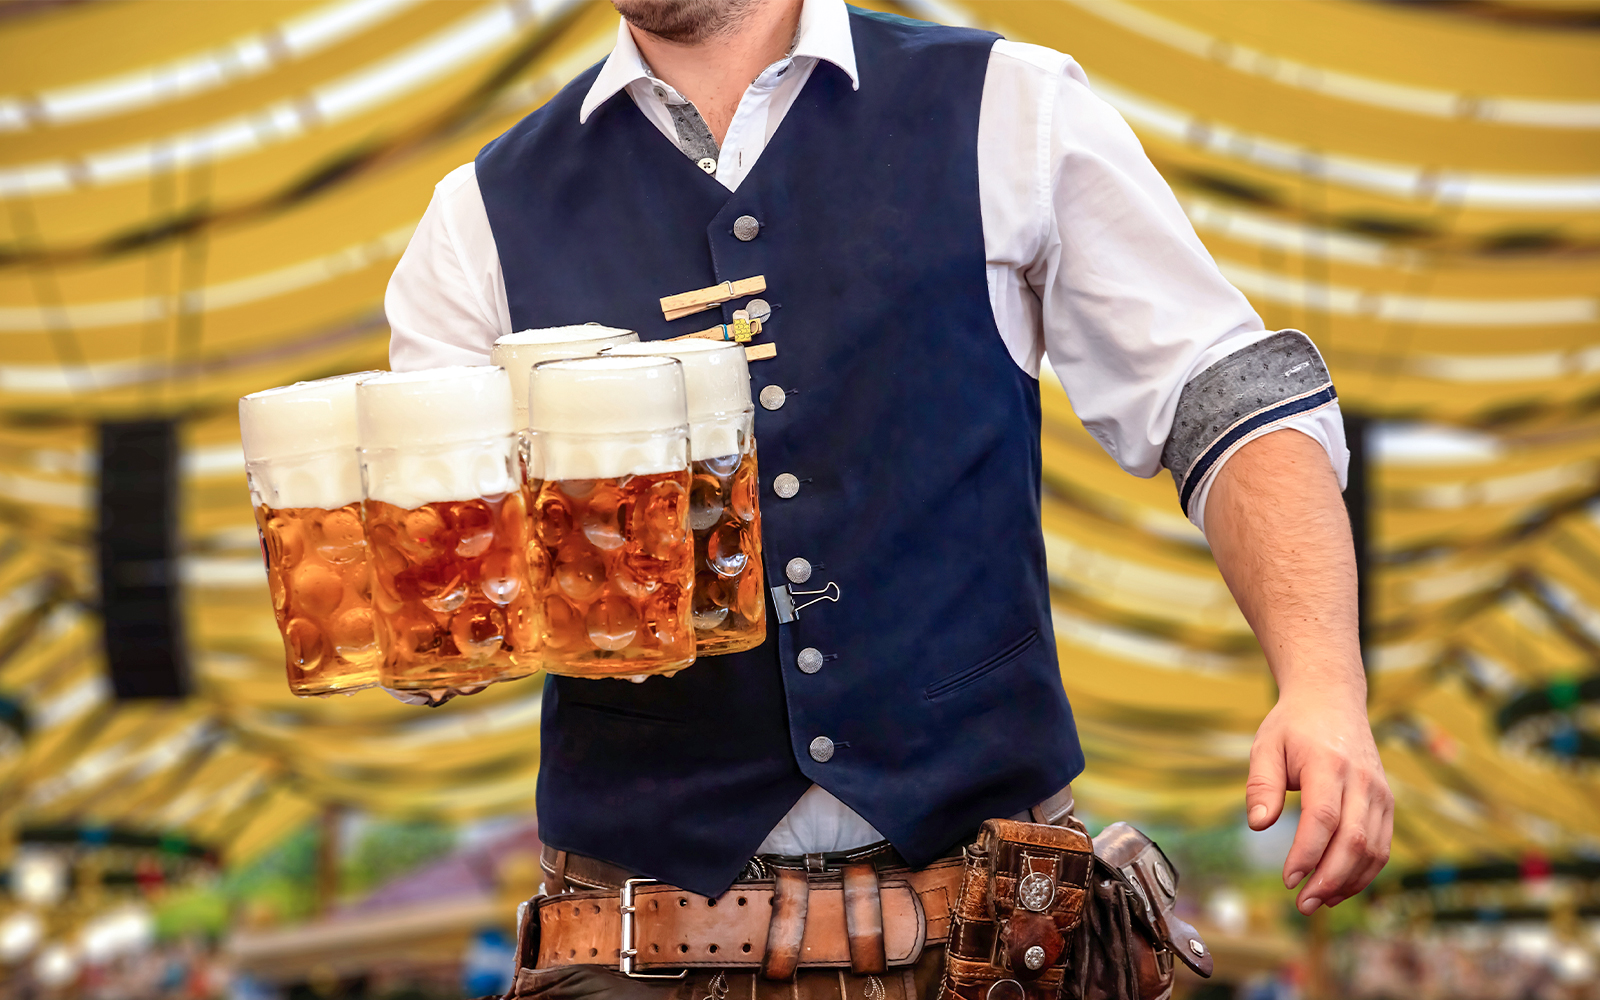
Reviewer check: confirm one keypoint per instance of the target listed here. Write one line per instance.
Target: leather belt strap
(863, 920)
(791, 899)
(789, 922)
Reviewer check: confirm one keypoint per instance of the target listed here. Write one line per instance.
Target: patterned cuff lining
(1269, 381)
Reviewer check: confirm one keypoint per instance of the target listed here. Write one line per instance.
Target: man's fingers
(1264, 790)
(1359, 848)
(1321, 807)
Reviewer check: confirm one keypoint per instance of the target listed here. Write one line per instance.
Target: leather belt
(860, 917)
(861, 909)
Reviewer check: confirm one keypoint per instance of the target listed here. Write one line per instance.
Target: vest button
(745, 228)
(759, 309)
(785, 484)
(809, 661)
(821, 749)
(773, 397)
(798, 570)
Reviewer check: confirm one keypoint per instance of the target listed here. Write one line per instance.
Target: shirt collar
(824, 34)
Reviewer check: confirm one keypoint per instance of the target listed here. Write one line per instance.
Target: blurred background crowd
(204, 200)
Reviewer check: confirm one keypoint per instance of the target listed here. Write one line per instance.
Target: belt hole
(746, 947)
(741, 900)
(656, 948)
(577, 911)
(655, 904)
(597, 907)
(682, 901)
(683, 949)
(593, 952)
(711, 902)
(711, 948)
(573, 953)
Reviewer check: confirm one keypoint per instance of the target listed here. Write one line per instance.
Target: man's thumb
(1265, 788)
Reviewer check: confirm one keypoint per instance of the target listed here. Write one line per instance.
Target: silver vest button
(773, 397)
(708, 164)
(759, 309)
(809, 661)
(798, 570)
(745, 228)
(785, 484)
(821, 749)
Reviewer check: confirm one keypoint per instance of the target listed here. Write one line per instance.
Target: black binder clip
(783, 600)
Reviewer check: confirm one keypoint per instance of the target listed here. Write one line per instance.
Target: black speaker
(138, 542)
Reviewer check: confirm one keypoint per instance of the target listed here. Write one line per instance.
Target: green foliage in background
(281, 886)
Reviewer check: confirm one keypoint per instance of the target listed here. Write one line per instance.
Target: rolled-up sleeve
(1166, 363)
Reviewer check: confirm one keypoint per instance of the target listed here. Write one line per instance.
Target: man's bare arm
(1279, 533)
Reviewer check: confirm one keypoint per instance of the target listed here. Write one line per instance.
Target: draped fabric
(205, 200)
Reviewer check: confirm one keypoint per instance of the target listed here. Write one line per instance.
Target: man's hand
(1279, 533)
(1319, 742)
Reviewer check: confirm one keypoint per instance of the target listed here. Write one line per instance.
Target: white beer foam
(436, 435)
(605, 417)
(300, 443)
(716, 377)
(517, 353)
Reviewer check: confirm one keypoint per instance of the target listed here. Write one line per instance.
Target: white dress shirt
(1091, 261)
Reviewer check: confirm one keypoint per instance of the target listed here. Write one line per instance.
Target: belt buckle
(628, 952)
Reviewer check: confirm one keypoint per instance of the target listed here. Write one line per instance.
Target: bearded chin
(683, 21)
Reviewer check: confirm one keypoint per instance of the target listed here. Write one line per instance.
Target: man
(934, 210)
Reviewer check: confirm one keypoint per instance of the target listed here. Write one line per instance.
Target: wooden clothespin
(688, 303)
(761, 352)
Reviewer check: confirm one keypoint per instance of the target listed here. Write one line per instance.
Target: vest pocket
(968, 675)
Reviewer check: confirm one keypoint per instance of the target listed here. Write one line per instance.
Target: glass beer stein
(447, 526)
(730, 609)
(609, 477)
(305, 483)
(517, 353)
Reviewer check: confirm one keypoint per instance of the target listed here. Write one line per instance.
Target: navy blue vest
(912, 432)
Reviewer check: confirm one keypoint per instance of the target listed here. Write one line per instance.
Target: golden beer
(608, 471)
(730, 609)
(612, 561)
(305, 485)
(317, 574)
(450, 585)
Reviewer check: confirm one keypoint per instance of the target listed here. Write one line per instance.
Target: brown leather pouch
(1045, 914)
(1129, 936)
(1022, 899)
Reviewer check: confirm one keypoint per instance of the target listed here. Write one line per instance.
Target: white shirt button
(709, 165)
(662, 94)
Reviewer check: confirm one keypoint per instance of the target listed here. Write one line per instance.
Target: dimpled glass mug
(305, 483)
(608, 474)
(447, 526)
(730, 608)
